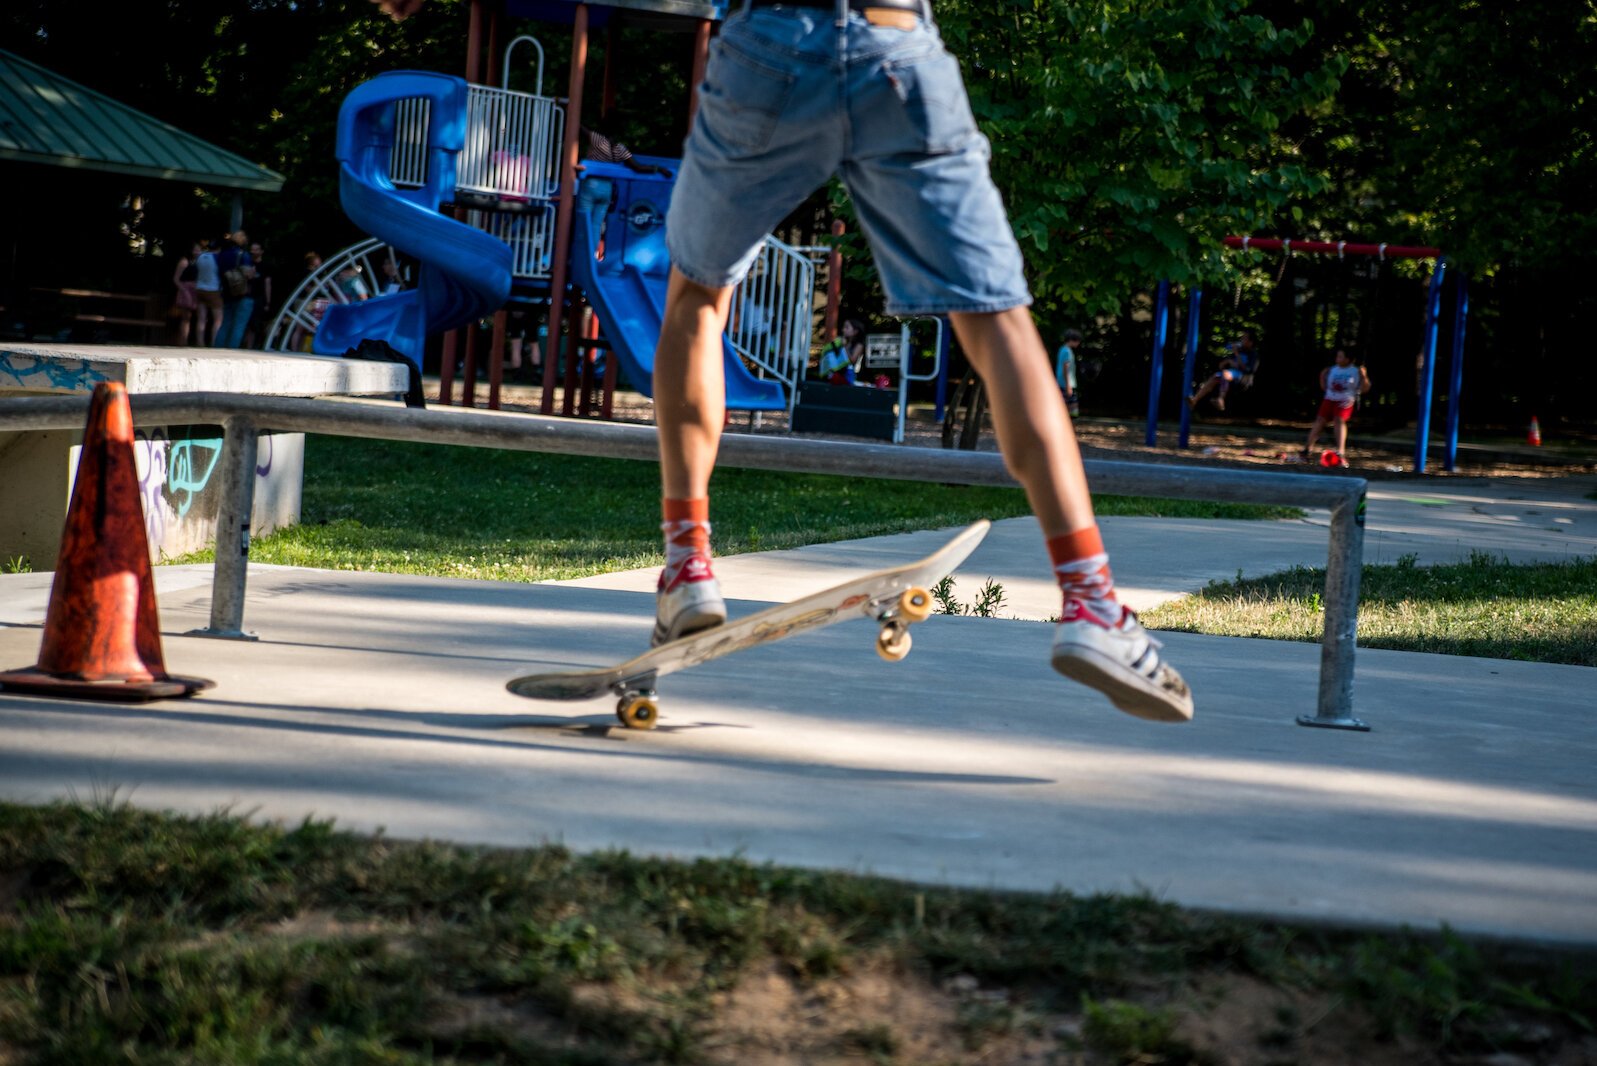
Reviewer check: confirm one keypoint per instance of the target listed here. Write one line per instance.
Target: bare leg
(1314, 433)
(1204, 390)
(1341, 436)
(202, 316)
(690, 386)
(1034, 432)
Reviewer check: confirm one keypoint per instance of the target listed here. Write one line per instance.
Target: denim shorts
(794, 95)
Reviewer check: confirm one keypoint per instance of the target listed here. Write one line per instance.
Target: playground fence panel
(512, 148)
(407, 164)
(530, 234)
(772, 325)
(512, 145)
(244, 417)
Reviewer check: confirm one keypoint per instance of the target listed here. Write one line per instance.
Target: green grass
(518, 516)
(1487, 607)
(133, 937)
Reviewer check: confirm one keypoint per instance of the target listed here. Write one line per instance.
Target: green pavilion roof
(45, 118)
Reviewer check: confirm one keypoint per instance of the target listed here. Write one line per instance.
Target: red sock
(1081, 567)
(687, 530)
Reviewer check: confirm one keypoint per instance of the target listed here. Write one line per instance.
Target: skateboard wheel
(638, 712)
(893, 642)
(915, 605)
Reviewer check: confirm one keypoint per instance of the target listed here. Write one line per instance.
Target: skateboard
(895, 598)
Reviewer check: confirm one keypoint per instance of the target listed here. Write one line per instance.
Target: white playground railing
(512, 145)
(530, 234)
(772, 324)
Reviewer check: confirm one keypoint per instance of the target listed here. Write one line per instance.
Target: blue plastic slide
(465, 273)
(627, 287)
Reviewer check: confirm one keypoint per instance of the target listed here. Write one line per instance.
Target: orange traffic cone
(101, 636)
(1534, 437)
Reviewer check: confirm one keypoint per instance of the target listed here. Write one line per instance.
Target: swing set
(1341, 249)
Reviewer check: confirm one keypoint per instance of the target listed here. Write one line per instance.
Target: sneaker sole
(1099, 672)
(687, 624)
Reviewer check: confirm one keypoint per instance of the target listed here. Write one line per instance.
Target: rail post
(1344, 567)
(240, 445)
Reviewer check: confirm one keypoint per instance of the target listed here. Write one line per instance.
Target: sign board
(883, 350)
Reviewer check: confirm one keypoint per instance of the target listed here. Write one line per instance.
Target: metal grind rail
(242, 419)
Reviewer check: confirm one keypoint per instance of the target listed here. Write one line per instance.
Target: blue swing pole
(1161, 332)
(1455, 384)
(1194, 331)
(1433, 315)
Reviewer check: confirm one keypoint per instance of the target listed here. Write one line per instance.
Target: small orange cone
(1534, 437)
(102, 639)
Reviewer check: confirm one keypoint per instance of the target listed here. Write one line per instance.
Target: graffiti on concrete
(263, 466)
(149, 460)
(179, 486)
(20, 371)
(190, 471)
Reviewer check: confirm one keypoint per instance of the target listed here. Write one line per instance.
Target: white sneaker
(1120, 660)
(691, 601)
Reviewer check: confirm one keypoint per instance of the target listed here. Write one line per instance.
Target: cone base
(36, 682)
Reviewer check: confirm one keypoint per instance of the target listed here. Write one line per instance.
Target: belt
(916, 7)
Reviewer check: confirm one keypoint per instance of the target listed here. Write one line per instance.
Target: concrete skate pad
(1160, 559)
(378, 700)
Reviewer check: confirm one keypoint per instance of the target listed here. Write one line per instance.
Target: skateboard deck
(896, 598)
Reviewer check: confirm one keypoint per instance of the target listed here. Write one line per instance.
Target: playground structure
(1341, 249)
(507, 162)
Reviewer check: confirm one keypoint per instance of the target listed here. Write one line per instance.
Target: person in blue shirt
(1065, 370)
(233, 262)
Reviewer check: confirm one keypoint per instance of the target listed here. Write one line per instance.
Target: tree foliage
(1464, 125)
(1130, 135)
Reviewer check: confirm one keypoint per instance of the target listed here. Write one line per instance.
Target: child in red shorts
(1344, 382)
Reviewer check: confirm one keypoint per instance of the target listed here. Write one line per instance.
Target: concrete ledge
(70, 368)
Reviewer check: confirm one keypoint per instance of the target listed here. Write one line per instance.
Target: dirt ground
(1212, 443)
(879, 1014)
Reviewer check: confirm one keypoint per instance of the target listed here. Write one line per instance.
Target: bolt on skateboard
(896, 599)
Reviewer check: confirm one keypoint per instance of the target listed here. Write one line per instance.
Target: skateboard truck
(637, 703)
(894, 641)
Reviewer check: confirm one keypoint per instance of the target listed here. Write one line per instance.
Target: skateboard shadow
(497, 733)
